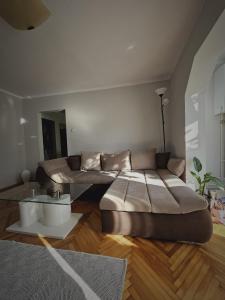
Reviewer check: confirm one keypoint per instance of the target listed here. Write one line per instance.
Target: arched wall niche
(202, 126)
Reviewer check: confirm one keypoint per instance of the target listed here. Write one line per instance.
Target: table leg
(54, 214)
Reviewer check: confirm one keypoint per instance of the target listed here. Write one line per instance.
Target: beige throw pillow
(143, 160)
(116, 161)
(91, 161)
(176, 166)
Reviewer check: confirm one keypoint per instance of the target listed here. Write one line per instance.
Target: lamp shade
(24, 14)
(165, 101)
(161, 91)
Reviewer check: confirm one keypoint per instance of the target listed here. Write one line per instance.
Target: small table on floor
(45, 210)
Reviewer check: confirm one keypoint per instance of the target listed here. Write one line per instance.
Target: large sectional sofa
(139, 199)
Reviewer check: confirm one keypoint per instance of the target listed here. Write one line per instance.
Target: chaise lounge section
(155, 204)
(138, 199)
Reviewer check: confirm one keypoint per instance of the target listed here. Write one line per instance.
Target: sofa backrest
(125, 160)
(56, 168)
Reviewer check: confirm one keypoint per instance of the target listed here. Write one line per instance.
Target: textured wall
(12, 149)
(179, 81)
(107, 120)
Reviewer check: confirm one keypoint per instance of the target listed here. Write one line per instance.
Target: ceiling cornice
(163, 78)
(10, 94)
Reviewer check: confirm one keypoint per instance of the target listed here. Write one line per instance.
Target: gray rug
(39, 273)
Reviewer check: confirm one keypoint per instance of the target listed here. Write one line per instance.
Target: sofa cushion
(161, 199)
(74, 162)
(52, 164)
(65, 176)
(176, 166)
(188, 200)
(162, 159)
(59, 171)
(116, 161)
(96, 177)
(91, 161)
(127, 193)
(143, 160)
(159, 192)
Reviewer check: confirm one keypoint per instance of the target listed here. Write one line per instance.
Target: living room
(132, 93)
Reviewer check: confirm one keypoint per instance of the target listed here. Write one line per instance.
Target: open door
(54, 134)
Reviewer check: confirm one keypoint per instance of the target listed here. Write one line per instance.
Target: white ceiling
(91, 44)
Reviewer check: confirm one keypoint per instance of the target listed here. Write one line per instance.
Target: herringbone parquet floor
(156, 270)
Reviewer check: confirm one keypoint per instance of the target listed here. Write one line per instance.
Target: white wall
(211, 12)
(107, 120)
(202, 126)
(12, 149)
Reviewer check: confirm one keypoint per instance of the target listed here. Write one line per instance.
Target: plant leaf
(198, 178)
(208, 177)
(208, 174)
(218, 182)
(197, 164)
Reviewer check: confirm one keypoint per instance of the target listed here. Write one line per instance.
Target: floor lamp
(163, 157)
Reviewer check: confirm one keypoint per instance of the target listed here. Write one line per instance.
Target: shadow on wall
(202, 124)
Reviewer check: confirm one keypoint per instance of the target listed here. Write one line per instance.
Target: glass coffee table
(45, 210)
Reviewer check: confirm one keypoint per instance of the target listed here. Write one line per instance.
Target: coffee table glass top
(62, 194)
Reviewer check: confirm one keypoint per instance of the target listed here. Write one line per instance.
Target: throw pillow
(91, 161)
(74, 162)
(162, 159)
(176, 166)
(143, 160)
(116, 161)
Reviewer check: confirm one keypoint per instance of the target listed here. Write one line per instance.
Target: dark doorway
(49, 142)
(63, 139)
(54, 134)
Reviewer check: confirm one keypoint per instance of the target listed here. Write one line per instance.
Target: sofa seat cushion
(65, 176)
(159, 192)
(188, 200)
(127, 193)
(162, 200)
(96, 177)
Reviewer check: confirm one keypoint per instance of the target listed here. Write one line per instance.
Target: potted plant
(205, 179)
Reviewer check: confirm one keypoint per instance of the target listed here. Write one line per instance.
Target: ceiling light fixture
(24, 14)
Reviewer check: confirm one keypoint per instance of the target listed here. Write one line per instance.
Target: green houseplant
(205, 179)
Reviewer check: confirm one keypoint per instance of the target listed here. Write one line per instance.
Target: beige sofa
(152, 203)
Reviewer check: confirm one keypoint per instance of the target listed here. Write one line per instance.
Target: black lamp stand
(163, 123)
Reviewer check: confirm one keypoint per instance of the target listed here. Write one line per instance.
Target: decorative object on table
(37, 272)
(207, 178)
(163, 157)
(26, 175)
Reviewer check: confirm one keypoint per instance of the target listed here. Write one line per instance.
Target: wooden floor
(156, 270)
